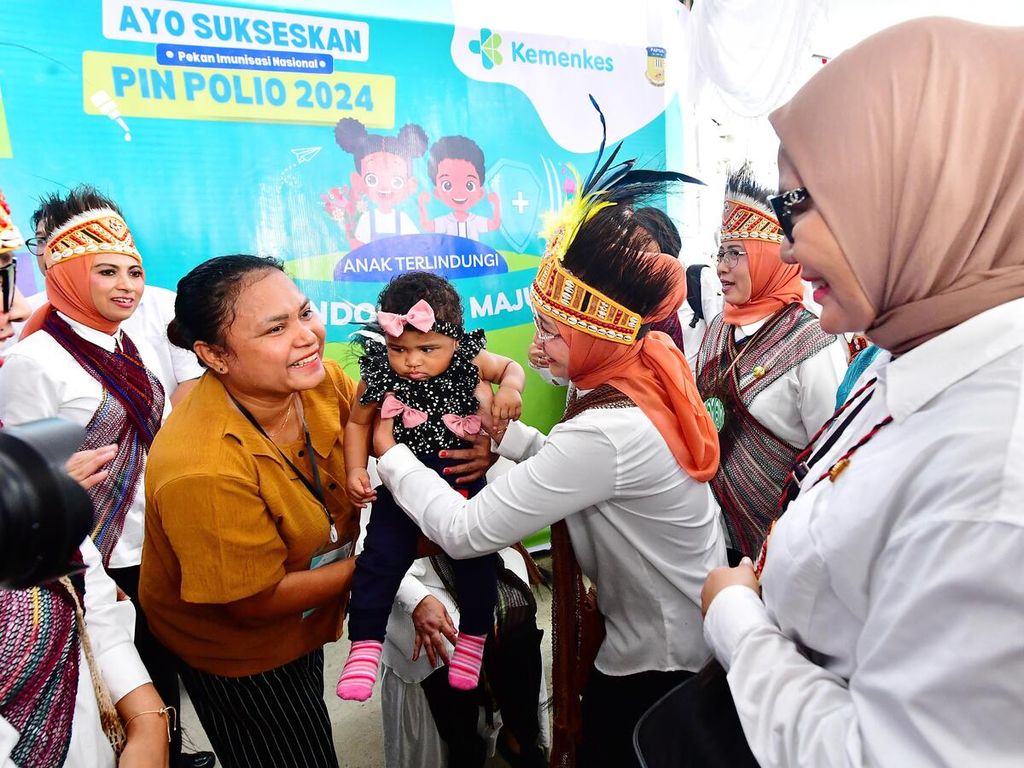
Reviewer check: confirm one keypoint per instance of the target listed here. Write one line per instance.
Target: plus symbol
(520, 203)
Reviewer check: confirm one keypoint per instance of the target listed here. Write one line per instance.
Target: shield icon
(656, 66)
(520, 192)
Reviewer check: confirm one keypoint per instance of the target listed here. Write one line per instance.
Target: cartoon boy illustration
(456, 167)
(383, 175)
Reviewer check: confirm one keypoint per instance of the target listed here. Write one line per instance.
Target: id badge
(319, 561)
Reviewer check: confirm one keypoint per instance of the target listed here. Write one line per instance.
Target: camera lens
(44, 514)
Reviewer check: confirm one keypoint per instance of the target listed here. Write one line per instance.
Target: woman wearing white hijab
(888, 629)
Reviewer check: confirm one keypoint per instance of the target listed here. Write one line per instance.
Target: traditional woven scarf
(576, 624)
(754, 461)
(129, 415)
(39, 657)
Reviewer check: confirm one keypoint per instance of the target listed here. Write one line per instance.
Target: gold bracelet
(169, 713)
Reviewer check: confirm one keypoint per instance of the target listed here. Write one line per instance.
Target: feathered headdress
(595, 275)
(747, 214)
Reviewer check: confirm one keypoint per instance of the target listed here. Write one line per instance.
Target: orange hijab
(67, 288)
(773, 283)
(655, 375)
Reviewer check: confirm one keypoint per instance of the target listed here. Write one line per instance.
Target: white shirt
(711, 302)
(410, 736)
(472, 227)
(892, 627)
(645, 532)
(111, 626)
(150, 319)
(420, 581)
(795, 405)
(384, 225)
(35, 301)
(40, 379)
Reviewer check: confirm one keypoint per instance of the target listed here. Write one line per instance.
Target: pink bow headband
(420, 316)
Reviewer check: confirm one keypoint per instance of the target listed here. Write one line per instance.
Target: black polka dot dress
(452, 392)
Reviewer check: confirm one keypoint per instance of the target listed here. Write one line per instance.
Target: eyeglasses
(8, 273)
(783, 205)
(729, 257)
(35, 245)
(543, 336)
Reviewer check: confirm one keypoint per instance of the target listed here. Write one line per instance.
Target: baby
(432, 378)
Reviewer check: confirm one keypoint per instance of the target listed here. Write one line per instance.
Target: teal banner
(351, 147)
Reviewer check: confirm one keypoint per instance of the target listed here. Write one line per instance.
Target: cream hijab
(912, 147)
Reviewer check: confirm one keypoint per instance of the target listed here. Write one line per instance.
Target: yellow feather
(560, 227)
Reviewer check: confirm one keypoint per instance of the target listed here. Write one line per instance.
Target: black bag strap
(693, 292)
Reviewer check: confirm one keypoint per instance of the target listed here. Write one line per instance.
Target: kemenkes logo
(488, 47)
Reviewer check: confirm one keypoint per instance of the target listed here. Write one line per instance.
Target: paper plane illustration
(305, 154)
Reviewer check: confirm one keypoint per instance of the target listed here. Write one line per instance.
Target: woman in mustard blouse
(247, 559)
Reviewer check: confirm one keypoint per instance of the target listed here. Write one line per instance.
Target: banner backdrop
(351, 147)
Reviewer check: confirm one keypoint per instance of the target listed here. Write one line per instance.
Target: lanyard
(804, 462)
(315, 488)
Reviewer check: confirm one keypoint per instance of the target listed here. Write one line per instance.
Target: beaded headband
(742, 221)
(747, 214)
(10, 235)
(101, 230)
(562, 296)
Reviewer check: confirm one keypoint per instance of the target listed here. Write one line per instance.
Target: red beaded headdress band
(747, 216)
(101, 230)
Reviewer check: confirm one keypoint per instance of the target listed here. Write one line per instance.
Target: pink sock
(464, 668)
(360, 672)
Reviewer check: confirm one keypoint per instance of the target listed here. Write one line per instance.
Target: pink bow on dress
(392, 406)
(420, 316)
(463, 426)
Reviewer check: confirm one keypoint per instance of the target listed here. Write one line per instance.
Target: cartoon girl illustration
(455, 166)
(383, 175)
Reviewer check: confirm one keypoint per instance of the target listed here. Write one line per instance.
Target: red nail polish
(444, 454)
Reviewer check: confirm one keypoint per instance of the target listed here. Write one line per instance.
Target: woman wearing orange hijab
(75, 362)
(766, 370)
(626, 470)
(886, 625)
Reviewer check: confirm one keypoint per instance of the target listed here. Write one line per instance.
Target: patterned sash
(129, 414)
(39, 659)
(754, 460)
(577, 626)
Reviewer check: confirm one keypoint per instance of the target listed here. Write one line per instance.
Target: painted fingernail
(444, 454)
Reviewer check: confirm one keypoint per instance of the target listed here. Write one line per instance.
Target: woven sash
(129, 414)
(39, 659)
(576, 624)
(754, 460)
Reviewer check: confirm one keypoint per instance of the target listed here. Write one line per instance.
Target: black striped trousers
(276, 719)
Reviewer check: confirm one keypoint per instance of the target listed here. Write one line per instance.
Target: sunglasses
(8, 273)
(784, 204)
